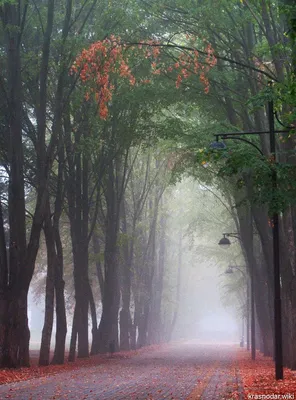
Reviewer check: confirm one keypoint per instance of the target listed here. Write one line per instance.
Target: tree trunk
(61, 318)
(82, 302)
(135, 323)
(175, 316)
(125, 329)
(73, 342)
(16, 334)
(93, 313)
(155, 333)
(77, 194)
(14, 331)
(260, 277)
(125, 316)
(143, 326)
(96, 249)
(49, 293)
(108, 327)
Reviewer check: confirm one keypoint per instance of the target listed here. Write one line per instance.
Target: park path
(179, 371)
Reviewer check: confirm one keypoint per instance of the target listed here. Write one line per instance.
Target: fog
(209, 308)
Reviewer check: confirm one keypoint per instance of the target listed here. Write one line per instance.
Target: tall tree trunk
(73, 341)
(260, 277)
(148, 270)
(82, 302)
(108, 327)
(143, 324)
(77, 193)
(125, 316)
(96, 249)
(155, 334)
(135, 322)
(61, 318)
(49, 292)
(178, 290)
(14, 331)
(93, 313)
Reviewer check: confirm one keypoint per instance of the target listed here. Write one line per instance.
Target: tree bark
(108, 327)
(93, 313)
(155, 334)
(73, 341)
(49, 291)
(259, 274)
(125, 317)
(77, 194)
(178, 291)
(14, 331)
(61, 318)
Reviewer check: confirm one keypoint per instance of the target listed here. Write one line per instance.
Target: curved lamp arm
(243, 140)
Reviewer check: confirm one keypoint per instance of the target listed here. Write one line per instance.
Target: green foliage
(6, 2)
(245, 166)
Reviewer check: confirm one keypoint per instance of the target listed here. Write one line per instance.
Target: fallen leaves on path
(258, 377)
(23, 374)
(202, 384)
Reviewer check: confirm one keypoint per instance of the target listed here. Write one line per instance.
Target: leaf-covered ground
(178, 371)
(258, 378)
(184, 371)
(23, 374)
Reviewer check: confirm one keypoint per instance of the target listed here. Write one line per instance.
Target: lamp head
(224, 242)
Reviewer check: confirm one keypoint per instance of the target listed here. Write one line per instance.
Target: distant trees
(254, 43)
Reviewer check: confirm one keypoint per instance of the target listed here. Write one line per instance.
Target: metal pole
(276, 260)
(253, 340)
(243, 330)
(248, 314)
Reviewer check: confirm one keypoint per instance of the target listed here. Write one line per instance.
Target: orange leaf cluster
(96, 64)
(103, 58)
(187, 65)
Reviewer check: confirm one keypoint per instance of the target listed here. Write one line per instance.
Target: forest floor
(176, 371)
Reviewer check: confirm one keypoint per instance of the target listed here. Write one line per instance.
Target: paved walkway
(176, 372)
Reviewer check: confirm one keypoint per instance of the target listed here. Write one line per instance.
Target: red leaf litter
(24, 374)
(258, 378)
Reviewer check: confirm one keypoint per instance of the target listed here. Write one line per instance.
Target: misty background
(210, 308)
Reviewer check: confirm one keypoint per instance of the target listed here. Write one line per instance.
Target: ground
(179, 371)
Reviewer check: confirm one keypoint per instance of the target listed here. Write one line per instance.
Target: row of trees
(259, 47)
(102, 184)
(98, 184)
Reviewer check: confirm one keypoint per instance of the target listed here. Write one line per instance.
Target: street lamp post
(276, 262)
(275, 231)
(248, 316)
(226, 242)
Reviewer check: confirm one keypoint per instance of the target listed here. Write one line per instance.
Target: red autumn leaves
(96, 64)
(24, 374)
(258, 378)
(104, 60)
